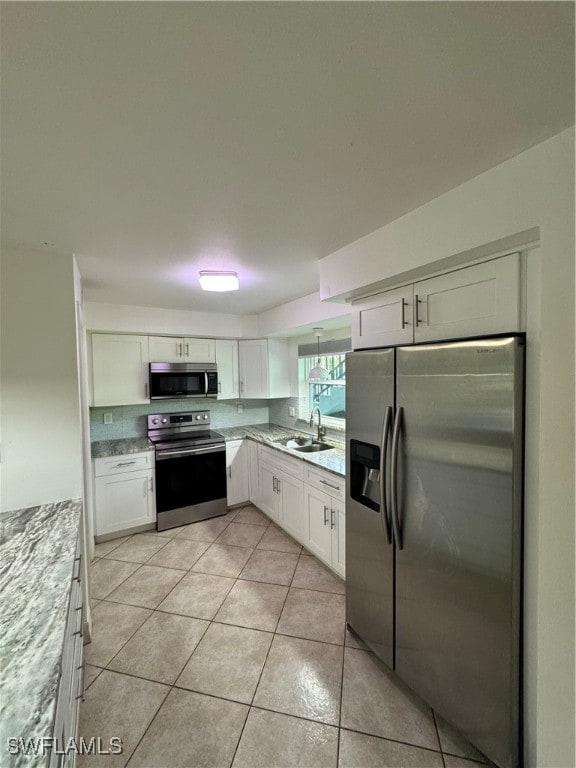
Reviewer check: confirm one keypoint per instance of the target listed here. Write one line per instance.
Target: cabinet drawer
(131, 462)
(281, 461)
(325, 481)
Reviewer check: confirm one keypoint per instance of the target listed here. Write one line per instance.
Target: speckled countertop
(37, 549)
(103, 448)
(332, 460)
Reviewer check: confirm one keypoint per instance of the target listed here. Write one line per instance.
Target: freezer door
(369, 552)
(458, 563)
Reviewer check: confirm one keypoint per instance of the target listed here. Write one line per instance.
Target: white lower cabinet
(253, 472)
(236, 472)
(325, 514)
(280, 490)
(124, 493)
(307, 502)
(269, 498)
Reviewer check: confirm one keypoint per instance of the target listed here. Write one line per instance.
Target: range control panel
(167, 420)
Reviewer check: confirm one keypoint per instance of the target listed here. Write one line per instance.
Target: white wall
(39, 411)
(282, 320)
(287, 318)
(123, 318)
(529, 195)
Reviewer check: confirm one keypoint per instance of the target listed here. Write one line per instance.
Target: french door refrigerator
(434, 526)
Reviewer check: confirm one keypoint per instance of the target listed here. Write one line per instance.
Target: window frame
(304, 393)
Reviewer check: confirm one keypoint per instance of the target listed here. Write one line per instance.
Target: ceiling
(155, 139)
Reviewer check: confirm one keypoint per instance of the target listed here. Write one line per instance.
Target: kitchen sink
(303, 444)
(312, 448)
(289, 441)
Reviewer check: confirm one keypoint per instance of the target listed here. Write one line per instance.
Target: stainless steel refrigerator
(434, 526)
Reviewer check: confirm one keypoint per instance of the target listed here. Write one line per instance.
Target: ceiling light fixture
(318, 373)
(219, 281)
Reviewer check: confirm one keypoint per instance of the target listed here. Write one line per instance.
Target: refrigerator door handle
(383, 456)
(394, 476)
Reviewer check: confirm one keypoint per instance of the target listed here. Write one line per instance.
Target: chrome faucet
(321, 429)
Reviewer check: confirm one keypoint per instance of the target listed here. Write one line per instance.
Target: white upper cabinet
(383, 320)
(472, 301)
(119, 369)
(477, 300)
(170, 349)
(264, 371)
(227, 364)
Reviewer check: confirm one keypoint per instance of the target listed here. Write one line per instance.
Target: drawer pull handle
(125, 463)
(76, 575)
(325, 482)
(82, 670)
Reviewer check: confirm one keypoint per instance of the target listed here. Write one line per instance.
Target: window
(328, 395)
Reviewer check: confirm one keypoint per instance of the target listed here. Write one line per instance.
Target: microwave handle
(206, 383)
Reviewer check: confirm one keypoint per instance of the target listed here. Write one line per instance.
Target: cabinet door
(166, 349)
(269, 497)
(382, 320)
(473, 301)
(293, 517)
(278, 368)
(254, 492)
(338, 523)
(253, 362)
(227, 364)
(199, 350)
(319, 540)
(124, 501)
(237, 475)
(119, 369)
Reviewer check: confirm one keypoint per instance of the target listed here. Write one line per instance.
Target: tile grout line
(171, 687)
(301, 554)
(438, 737)
(251, 705)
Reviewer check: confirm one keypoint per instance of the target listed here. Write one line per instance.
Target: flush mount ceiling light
(318, 373)
(219, 281)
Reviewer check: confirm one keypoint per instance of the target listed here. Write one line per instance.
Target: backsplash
(279, 414)
(130, 420)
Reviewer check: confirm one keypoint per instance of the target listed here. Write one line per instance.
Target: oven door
(190, 484)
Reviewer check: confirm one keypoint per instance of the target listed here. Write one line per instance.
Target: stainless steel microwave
(174, 381)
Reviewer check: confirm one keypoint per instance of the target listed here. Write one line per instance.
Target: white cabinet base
(124, 493)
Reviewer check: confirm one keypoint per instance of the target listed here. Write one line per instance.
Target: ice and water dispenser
(365, 474)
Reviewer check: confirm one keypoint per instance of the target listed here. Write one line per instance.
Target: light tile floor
(223, 643)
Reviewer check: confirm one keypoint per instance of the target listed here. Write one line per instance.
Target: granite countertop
(101, 449)
(332, 460)
(37, 549)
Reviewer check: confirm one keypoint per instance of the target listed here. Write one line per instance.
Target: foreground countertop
(332, 460)
(37, 550)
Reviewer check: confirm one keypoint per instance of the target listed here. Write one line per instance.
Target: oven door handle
(176, 452)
